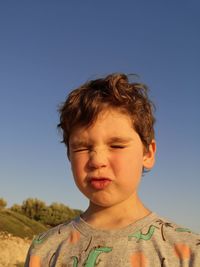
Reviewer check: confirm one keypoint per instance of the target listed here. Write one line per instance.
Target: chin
(100, 203)
(104, 203)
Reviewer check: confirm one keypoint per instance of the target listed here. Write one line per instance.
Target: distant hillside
(19, 225)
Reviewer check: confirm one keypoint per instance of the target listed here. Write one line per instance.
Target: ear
(149, 156)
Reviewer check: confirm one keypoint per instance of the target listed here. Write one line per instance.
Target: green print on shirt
(40, 238)
(184, 230)
(140, 236)
(91, 260)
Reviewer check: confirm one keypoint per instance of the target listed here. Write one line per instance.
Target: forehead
(112, 123)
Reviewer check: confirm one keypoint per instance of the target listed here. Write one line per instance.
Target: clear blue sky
(49, 47)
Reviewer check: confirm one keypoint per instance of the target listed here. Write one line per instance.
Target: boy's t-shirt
(150, 242)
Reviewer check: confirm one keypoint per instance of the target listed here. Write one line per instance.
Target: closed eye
(81, 149)
(117, 147)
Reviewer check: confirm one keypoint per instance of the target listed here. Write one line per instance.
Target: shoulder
(171, 241)
(54, 235)
(47, 242)
(180, 238)
(174, 230)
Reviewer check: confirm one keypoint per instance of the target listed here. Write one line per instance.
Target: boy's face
(107, 159)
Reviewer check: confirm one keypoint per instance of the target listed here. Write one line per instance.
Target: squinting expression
(107, 159)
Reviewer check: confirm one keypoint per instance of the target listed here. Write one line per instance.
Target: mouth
(99, 183)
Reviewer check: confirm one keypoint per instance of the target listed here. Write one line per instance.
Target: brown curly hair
(83, 105)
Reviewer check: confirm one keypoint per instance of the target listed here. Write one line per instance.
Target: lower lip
(100, 183)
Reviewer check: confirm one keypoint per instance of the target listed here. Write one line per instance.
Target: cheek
(127, 164)
(120, 164)
(78, 166)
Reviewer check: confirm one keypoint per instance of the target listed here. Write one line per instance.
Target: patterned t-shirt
(150, 242)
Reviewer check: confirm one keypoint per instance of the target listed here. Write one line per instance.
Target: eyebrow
(79, 143)
(119, 139)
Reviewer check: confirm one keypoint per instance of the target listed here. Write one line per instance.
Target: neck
(117, 216)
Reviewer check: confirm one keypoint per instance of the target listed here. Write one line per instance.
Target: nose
(97, 159)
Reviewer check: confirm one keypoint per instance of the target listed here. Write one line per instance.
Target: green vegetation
(3, 203)
(33, 217)
(51, 215)
(19, 225)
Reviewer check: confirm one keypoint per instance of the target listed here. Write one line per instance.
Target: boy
(107, 126)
